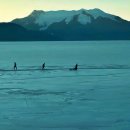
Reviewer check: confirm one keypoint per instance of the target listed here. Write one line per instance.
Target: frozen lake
(96, 97)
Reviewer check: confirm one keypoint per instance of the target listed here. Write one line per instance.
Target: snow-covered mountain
(63, 25)
(41, 20)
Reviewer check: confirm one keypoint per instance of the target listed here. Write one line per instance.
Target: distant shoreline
(64, 41)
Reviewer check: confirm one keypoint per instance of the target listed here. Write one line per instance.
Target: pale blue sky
(10, 9)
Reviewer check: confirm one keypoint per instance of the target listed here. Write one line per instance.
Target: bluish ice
(96, 97)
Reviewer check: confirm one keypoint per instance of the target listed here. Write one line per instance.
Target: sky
(11, 9)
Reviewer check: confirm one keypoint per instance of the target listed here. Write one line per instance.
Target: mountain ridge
(43, 19)
(74, 25)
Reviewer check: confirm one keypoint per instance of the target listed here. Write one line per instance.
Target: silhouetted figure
(76, 67)
(43, 66)
(15, 66)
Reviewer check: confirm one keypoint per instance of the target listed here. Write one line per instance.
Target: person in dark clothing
(15, 66)
(76, 67)
(43, 66)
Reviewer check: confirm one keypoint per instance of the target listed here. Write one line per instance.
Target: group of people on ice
(43, 66)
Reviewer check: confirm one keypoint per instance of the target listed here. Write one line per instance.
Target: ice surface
(96, 97)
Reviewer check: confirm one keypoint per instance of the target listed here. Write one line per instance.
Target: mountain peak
(83, 24)
(42, 20)
(97, 9)
(37, 12)
(82, 9)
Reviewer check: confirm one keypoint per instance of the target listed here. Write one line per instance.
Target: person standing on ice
(76, 67)
(15, 66)
(43, 66)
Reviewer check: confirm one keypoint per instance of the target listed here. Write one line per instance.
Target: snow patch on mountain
(83, 19)
(51, 17)
(45, 19)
